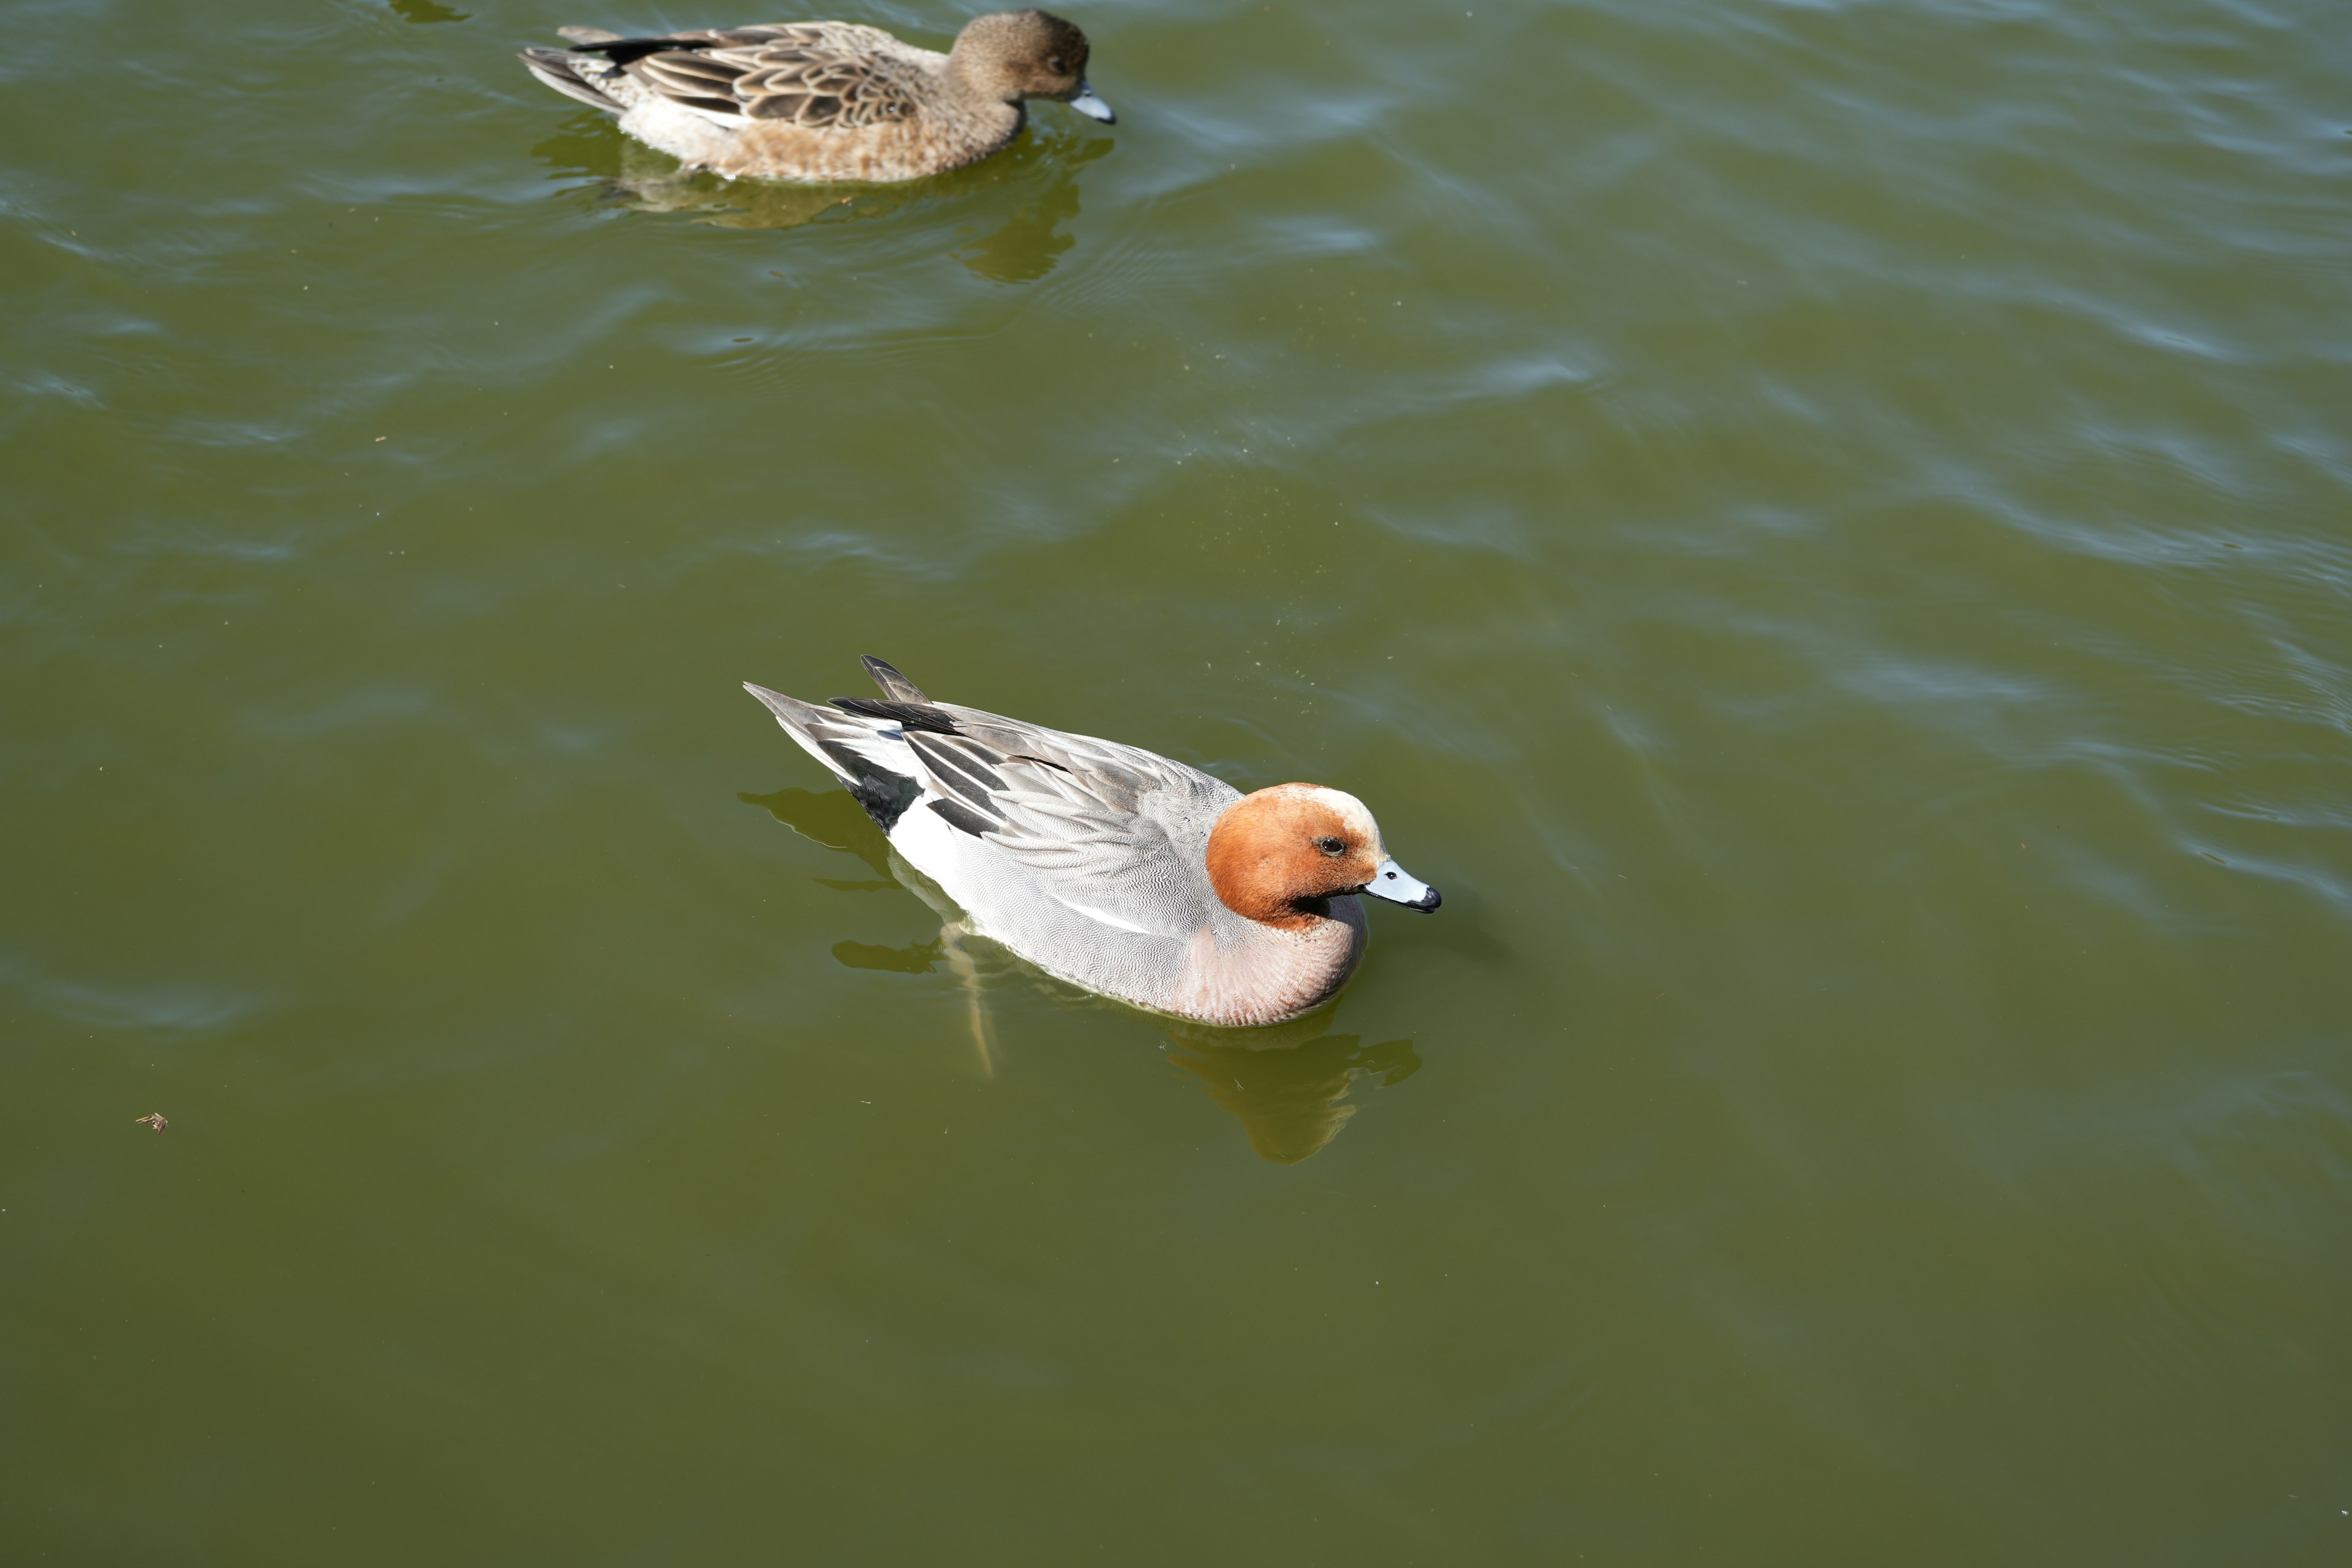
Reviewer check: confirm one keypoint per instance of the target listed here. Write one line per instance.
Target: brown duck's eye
(1056, 66)
(1330, 846)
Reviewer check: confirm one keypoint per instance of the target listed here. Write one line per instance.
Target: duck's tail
(869, 754)
(570, 74)
(895, 686)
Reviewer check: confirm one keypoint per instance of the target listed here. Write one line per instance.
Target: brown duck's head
(1278, 857)
(1013, 55)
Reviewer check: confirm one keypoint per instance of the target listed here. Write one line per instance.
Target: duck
(1121, 872)
(821, 101)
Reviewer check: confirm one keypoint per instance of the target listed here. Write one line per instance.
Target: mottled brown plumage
(825, 101)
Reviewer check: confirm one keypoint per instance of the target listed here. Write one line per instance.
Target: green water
(1825, 530)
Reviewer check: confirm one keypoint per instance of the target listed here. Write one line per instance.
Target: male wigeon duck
(825, 101)
(1109, 866)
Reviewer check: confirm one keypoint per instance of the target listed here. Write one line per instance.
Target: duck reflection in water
(1285, 1084)
(1021, 248)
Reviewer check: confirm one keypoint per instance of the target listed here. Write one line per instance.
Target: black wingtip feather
(906, 715)
(621, 51)
(963, 817)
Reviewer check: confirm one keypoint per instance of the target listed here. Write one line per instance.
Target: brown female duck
(825, 101)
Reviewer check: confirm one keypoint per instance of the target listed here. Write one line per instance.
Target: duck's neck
(1281, 914)
(979, 107)
(967, 84)
(1249, 971)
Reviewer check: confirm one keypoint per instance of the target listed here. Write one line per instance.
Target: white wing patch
(1103, 916)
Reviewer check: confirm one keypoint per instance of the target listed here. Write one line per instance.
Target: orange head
(1278, 856)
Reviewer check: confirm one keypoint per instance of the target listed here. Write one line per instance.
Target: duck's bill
(1094, 108)
(1390, 882)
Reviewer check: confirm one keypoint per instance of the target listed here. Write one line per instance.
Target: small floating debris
(152, 1119)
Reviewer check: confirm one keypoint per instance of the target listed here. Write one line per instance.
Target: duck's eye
(1330, 846)
(1056, 66)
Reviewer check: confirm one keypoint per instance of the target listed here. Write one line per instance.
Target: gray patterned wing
(1117, 834)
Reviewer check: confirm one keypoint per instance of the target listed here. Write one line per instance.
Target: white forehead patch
(1350, 811)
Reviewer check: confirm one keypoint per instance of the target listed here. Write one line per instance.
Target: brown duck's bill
(1390, 882)
(1087, 103)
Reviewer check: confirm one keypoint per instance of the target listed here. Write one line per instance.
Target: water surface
(1825, 529)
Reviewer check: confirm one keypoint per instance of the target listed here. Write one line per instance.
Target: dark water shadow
(832, 818)
(1022, 249)
(1027, 245)
(427, 11)
(1283, 1083)
(915, 958)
